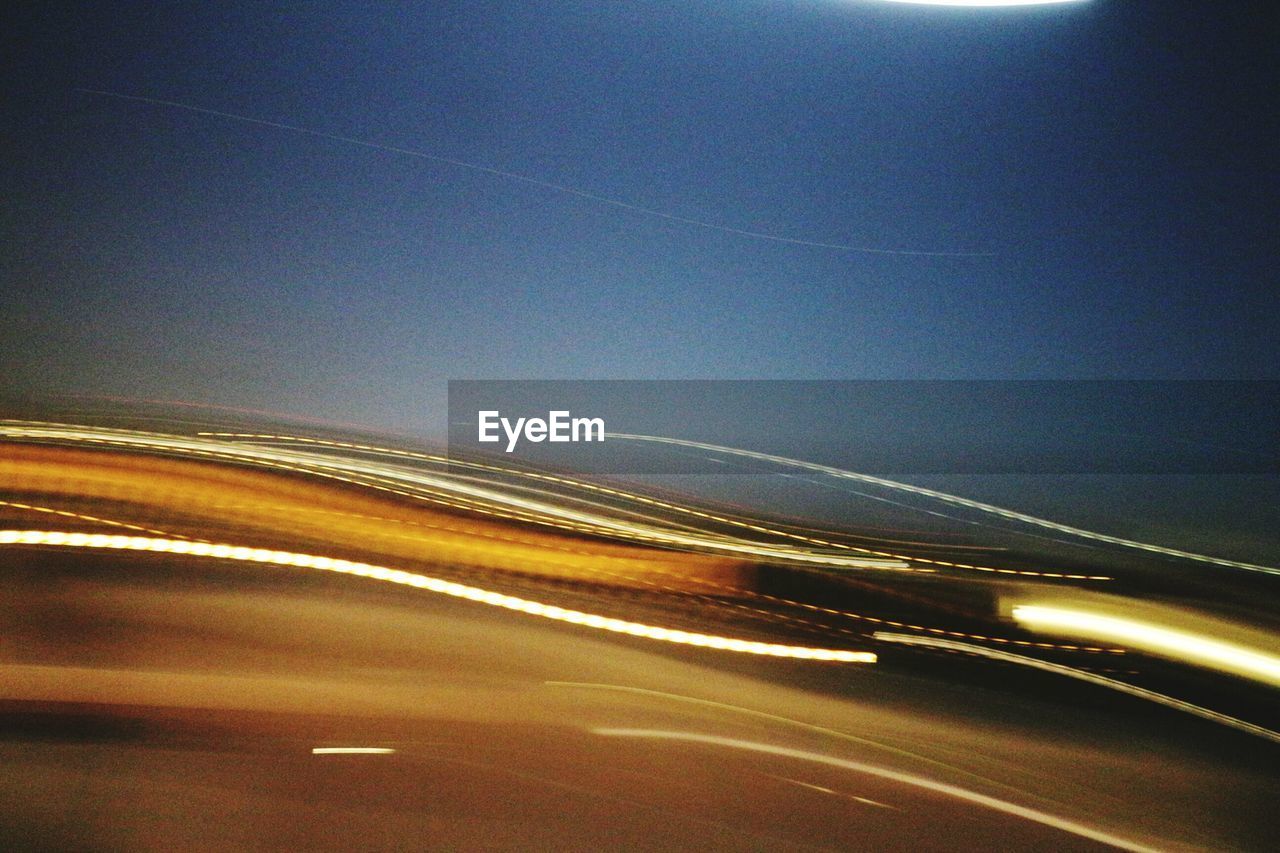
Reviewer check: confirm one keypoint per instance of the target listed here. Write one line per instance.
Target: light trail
(1003, 806)
(664, 505)
(430, 584)
(404, 534)
(825, 790)
(438, 459)
(742, 522)
(777, 718)
(525, 179)
(352, 750)
(94, 519)
(1081, 675)
(954, 500)
(326, 465)
(750, 712)
(344, 468)
(282, 506)
(595, 489)
(1157, 639)
(745, 524)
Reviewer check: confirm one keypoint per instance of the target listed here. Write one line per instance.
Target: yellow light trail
(79, 516)
(430, 584)
(410, 478)
(956, 792)
(1156, 639)
(195, 494)
(683, 579)
(355, 471)
(569, 482)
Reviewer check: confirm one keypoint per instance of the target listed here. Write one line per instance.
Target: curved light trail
(825, 731)
(437, 585)
(1004, 806)
(418, 484)
(753, 525)
(1080, 675)
(406, 477)
(954, 500)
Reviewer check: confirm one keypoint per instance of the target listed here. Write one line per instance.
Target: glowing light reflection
(1157, 639)
(982, 3)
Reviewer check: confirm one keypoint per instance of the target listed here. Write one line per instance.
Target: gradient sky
(1116, 161)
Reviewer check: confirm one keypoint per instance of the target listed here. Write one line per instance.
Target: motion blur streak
(1082, 675)
(776, 718)
(360, 471)
(893, 775)
(741, 522)
(94, 519)
(352, 750)
(206, 501)
(955, 500)
(456, 590)
(1156, 639)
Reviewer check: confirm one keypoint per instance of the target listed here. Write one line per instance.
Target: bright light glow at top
(982, 2)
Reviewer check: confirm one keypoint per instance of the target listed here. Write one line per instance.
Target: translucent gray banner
(874, 426)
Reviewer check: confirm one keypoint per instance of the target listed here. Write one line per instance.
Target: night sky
(1104, 174)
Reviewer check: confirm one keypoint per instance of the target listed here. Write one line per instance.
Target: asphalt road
(167, 703)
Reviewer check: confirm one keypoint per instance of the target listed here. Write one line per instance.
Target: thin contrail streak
(525, 179)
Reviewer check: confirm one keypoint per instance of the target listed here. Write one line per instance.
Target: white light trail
(1004, 806)
(955, 500)
(1081, 675)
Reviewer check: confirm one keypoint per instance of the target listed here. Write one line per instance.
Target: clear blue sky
(1116, 162)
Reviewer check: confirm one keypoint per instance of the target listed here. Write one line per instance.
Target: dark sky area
(1104, 173)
